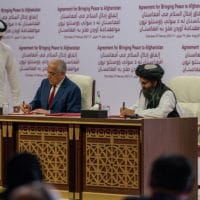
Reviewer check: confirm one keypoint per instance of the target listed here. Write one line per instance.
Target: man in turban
(156, 99)
(8, 69)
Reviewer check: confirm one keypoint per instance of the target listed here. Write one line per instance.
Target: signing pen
(123, 105)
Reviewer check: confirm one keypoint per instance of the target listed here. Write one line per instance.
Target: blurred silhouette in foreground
(34, 191)
(172, 178)
(21, 169)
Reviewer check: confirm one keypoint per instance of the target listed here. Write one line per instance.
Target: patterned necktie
(51, 96)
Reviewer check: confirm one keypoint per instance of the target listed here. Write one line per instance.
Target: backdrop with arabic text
(106, 39)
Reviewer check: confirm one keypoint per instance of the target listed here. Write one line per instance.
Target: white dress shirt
(166, 105)
(8, 68)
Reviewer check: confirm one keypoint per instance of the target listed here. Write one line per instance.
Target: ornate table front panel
(112, 160)
(50, 143)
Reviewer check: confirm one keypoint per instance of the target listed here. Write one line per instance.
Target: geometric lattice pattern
(112, 158)
(50, 144)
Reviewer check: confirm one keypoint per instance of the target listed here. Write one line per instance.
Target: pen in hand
(123, 105)
(25, 107)
(122, 109)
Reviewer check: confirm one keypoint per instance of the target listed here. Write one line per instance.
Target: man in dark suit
(172, 178)
(56, 94)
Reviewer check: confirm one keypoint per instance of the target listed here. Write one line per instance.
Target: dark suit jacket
(67, 98)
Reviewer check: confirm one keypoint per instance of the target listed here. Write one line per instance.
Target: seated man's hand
(126, 111)
(26, 108)
(40, 111)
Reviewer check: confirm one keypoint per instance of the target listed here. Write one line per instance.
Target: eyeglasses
(52, 73)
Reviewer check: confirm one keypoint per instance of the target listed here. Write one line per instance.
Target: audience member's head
(34, 191)
(172, 174)
(23, 168)
(172, 177)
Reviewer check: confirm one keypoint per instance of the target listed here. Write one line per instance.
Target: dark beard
(154, 94)
(148, 93)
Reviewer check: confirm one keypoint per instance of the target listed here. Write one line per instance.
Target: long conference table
(87, 156)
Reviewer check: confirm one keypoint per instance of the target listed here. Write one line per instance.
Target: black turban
(3, 27)
(150, 72)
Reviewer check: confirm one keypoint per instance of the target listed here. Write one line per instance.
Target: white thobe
(166, 105)
(8, 68)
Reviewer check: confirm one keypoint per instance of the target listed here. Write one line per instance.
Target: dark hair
(23, 168)
(172, 172)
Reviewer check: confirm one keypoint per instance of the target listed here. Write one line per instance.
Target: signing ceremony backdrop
(106, 39)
